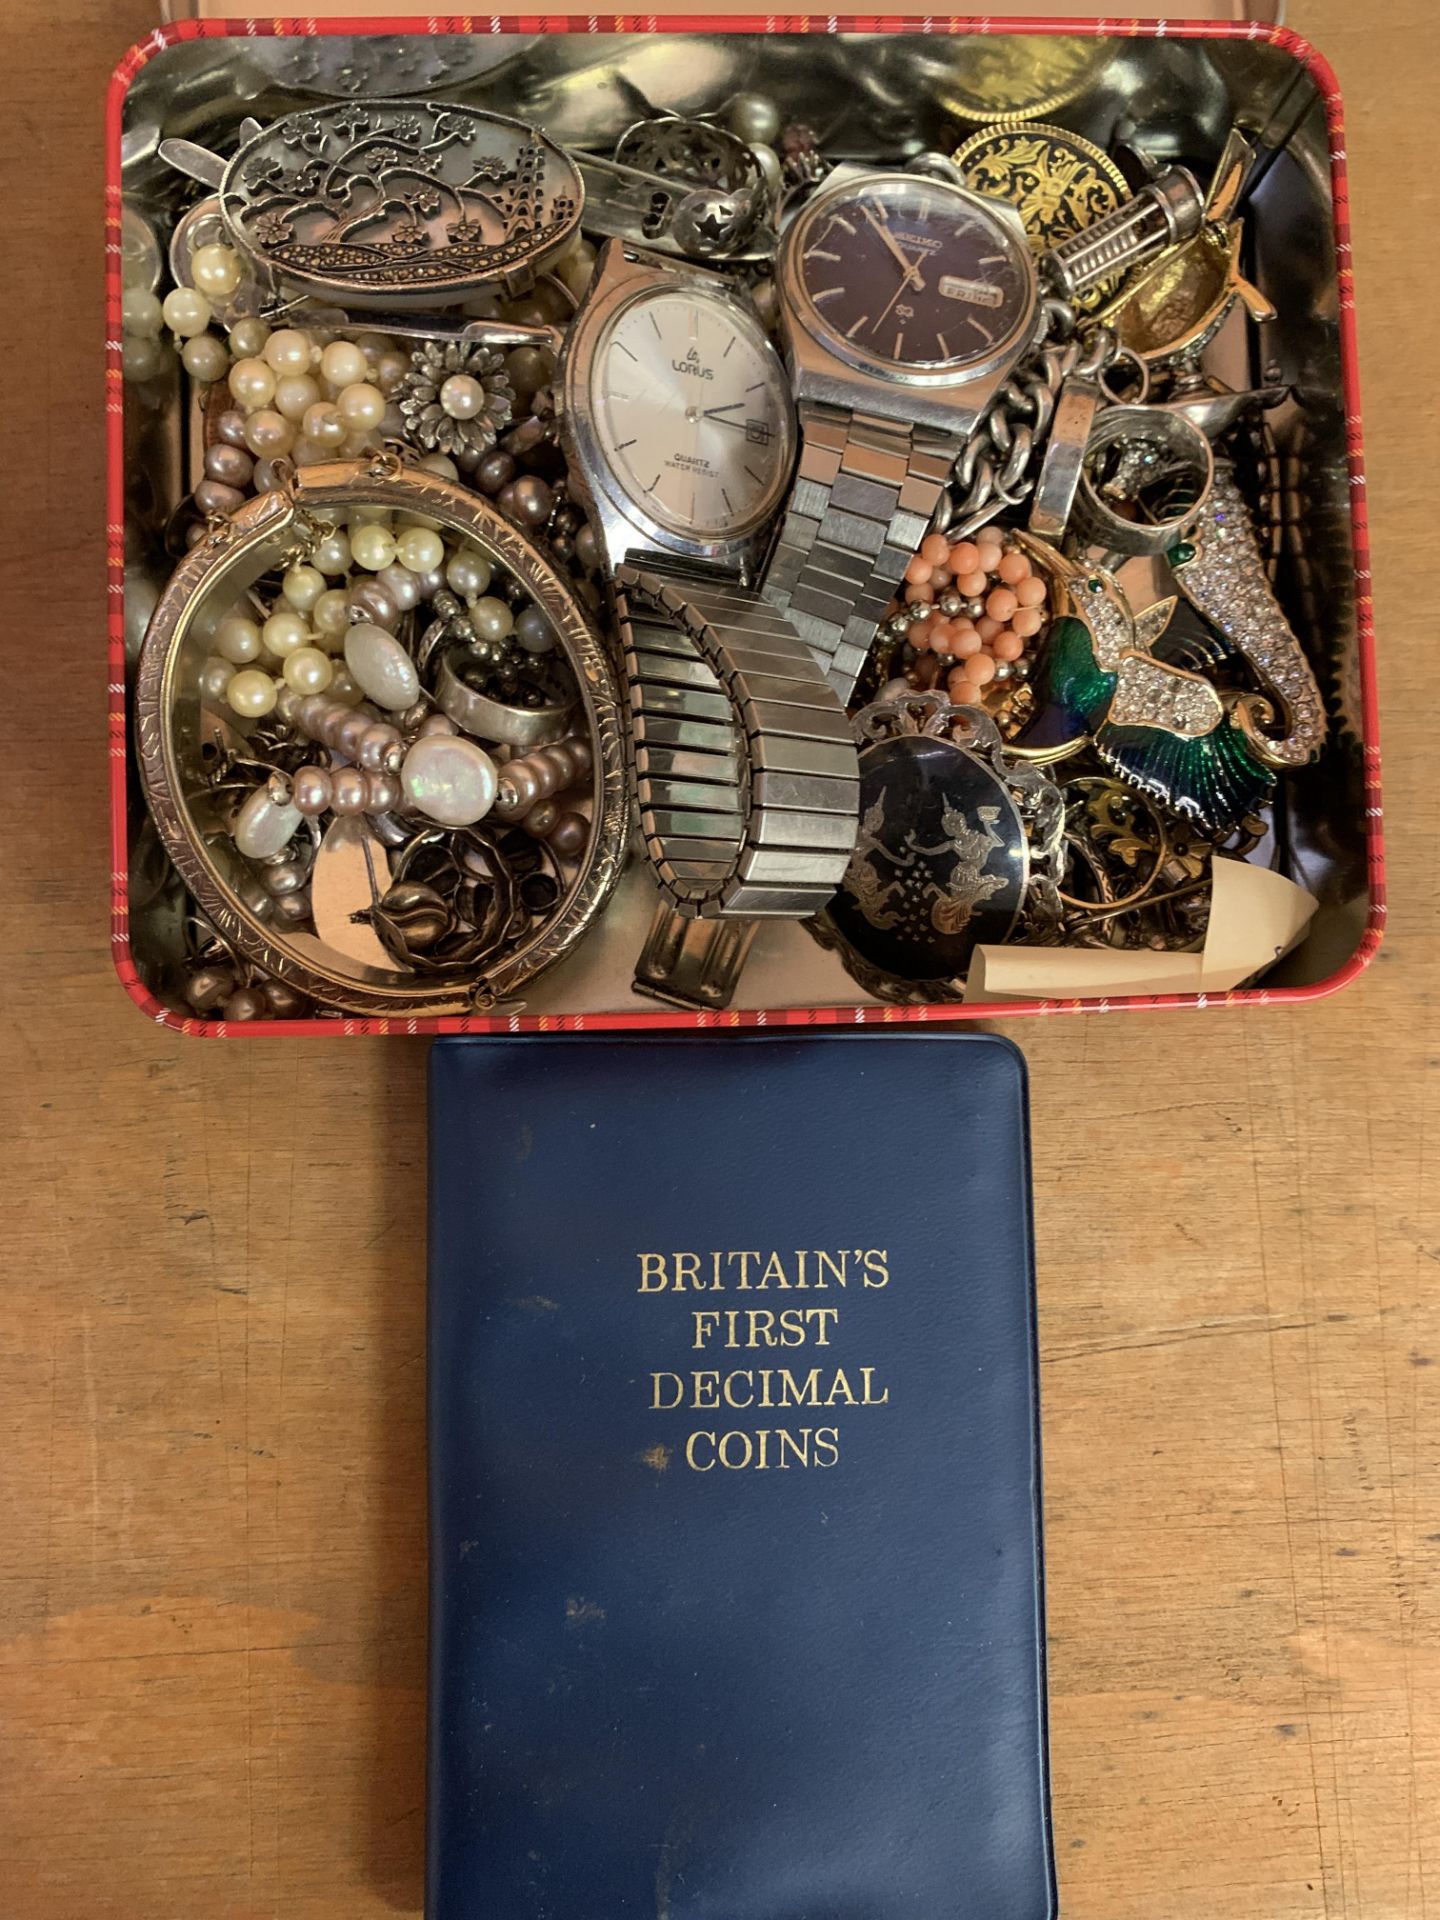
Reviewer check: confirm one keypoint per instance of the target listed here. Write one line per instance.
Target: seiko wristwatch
(906, 300)
(677, 422)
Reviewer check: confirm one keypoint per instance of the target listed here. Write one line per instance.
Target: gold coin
(988, 77)
(1058, 183)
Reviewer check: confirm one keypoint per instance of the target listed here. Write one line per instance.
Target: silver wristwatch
(677, 423)
(906, 300)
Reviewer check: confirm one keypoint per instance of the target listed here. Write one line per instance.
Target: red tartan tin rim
(1282, 38)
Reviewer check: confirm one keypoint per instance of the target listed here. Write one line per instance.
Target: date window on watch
(758, 433)
(974, 293)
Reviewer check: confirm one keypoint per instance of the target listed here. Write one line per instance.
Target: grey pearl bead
(208, 986)
(350, 790)
(587, 547)
(312, 712)
(569, 835)
(385, 793)
(287, 876)
(373, 601)
(287, 705)
(541, 818)
(350, 732)
(579, 750)
(534, 631)
(285, 1002)
(231, 428)
(266, 479)
(379, 744)
(310, 791)
(293, 908)
(752, 117)
(244, 1004)
(436, 723)
(232, 466)
(429, 583)
(561, 762)
(496, 470)
(533, 500)
(195, 533)
(519, 790)
(402, 586)
(213, 496)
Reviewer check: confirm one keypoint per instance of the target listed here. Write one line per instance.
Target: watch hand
(920, 287)
(912, 270)
(713, 413)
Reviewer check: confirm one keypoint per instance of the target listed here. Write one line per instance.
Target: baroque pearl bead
(230, 428)
(382, 667)
(250, 694)
(264, 825)
(449, 779)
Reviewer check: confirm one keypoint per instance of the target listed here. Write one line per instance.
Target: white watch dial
(692, 412)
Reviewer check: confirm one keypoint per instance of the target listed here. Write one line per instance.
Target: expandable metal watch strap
(744, 767)
(864, 493)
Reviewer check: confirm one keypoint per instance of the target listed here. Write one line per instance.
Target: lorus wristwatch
(906, 301)
(677, 422)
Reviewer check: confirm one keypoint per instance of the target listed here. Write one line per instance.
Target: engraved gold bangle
(238, 550)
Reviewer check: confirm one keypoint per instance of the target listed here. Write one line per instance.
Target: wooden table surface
(211, 1378)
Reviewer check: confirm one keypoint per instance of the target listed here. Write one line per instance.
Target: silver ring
(494, 720)
(1064, 458)
(1098, 524)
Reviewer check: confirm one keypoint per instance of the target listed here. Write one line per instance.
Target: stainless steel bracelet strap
(744, 769)
(864, 493)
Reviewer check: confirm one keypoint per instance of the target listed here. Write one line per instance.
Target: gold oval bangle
(235, 553)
